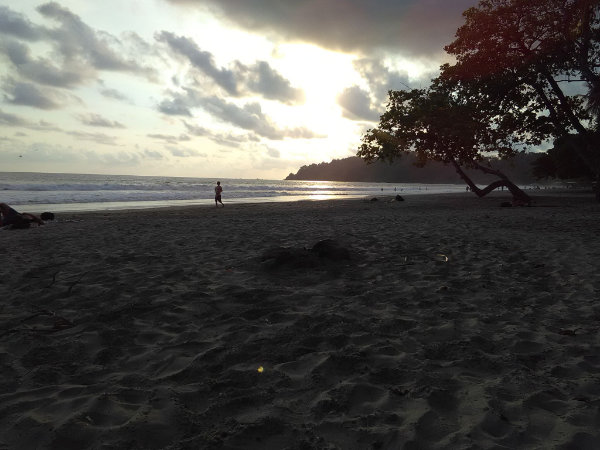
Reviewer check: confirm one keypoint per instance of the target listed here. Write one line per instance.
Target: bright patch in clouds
(196, 88)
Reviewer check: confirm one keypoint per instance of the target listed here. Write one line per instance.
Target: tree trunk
(519, 197)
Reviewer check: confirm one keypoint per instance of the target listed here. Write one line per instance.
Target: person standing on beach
(218, 190)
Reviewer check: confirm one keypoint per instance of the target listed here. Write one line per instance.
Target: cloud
(232, 140)
(196, 130)
(11, 119)
(41, 70)
(359, 104)
(170, 138)
(96, 120)
(227, 139)
(28, 94)
(262, 79)
(410, 27)
(99, 138)
(114, 94)
(42, 156)
(201, 60)
(185, 152)
(356, 105)
(177, 105)
(15, 24)
(381, 79)
(152, 154)
(77, 51)
(273, 152)
(250, 117)
(77, 40)
(259, 78)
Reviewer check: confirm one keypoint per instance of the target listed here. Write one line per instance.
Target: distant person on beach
(9, 216)
(218, 190)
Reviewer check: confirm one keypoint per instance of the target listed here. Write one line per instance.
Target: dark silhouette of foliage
(526, 72)
(540, 56)
(562, 161)
(404, 170)
(594, 105)
(442, 124)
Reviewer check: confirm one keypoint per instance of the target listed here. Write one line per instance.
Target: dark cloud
(248, 117)
(238, 80)
(15, 24)
(41, 70)
(196, 130)
(227, 139)
(96, 120)
(201, 60)
(356, 105)
(251, 117)
(28, 94)
(381, 79)
(177, 105)
(411, 27)
(11, 119)
(262, 79)
(77, 53)
(77, 40)
(16, 52)
(232, 140)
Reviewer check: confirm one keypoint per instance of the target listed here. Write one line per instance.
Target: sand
(444, 321)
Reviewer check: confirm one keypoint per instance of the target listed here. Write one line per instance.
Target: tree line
(404, 170)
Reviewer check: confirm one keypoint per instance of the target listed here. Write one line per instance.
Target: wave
(48, 189)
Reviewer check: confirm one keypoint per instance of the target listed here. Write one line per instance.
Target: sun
(322, 75)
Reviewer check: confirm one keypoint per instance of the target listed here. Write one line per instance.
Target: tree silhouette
(444, 123)
(561, 161)
(540, 55)
(526, 72)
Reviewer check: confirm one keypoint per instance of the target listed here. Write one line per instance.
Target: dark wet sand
(455, 324)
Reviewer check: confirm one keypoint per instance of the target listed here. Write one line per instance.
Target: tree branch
(517, 193)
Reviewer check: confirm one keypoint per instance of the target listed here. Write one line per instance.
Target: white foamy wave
(105, 191)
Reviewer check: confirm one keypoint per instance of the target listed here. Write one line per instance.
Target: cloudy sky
(206, 88)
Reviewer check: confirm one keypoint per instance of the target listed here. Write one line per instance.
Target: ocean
(61, 192)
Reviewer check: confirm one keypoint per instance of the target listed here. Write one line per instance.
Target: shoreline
(78, 208)
(444, 321)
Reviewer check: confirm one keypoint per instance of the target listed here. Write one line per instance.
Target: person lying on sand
(9, 216)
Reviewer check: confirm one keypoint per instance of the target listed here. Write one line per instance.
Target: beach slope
(438, 322)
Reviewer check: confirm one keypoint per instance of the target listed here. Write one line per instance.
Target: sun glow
(322, 75)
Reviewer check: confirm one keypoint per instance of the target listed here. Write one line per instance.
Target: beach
(442, 321)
